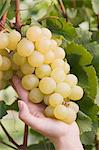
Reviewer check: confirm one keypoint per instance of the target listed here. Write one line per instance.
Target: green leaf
(5, 7)
(13, 106)
(84, 122)
(61, 27)
(3, 111)
(95, 36)
(80, 60)
(95, 5)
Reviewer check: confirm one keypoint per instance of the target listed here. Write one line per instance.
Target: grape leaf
(95, 5)
(80, 60)
(3, 111)
(84, 122)
(61, 27)
(13, 106)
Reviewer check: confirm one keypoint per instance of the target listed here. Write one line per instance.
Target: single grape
(73, 106)
(65, 114)
(55, 99)
(27, 69)
(25, 47)
(47, 85)
(14, 37)
(18, 60)
(6, 64)
(49, 111)
(57, 63)
(76, 93)
(1, 61)
(46, 99)
(36, 96)
(1, 75)
(53, 45)
(59, 53)
(30, 81)
(58, 75)
(49, 57)
(36, 59)
(46, 33)
(43, 71)
(43, 45)
(3, 40)
(34, 33)
(71, 79)
(63, 89)
(66, 67)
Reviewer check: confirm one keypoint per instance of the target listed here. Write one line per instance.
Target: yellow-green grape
(76, 93)
(46, 99)
(73, 106)
(65, 114)
(6, 64)
(71, 79)
(8, 74)
(58, 75)
(36, 59)
(46, 33)
(36, 96)
(49, 111)
(26, 68)
(53, 45)
(49, 57)
(43, 45)
(14, 37)
(43, 71)
(30, 81)
(1, 75)
(57, 63)
(63, 89)
(25, 47)
(55, 99)
(34, 33)
(20, 74)
(3, 40)
(4, 52)
(1, 60)
(59, 53)
(18, 60)
(47, 85)
(66, 67)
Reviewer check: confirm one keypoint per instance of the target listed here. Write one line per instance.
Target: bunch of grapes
(41, 65)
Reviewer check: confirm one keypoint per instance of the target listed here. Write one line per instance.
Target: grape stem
(63, 9)
(18, 20)
(97, 143)
(25, 140)
(3, 21)
(9, 137)
(97, 21)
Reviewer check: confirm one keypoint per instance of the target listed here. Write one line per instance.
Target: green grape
(14, 37)
(18, 60)
(30, 81)
(49, 57)
(53, 45)
(76, 93)
(49, 111)
(27, 69)
(43, 71)
(46, 33)
(34, 33)
(55, 99)
(66, 67)
(3, 40)
(59, 53)
(71, 79)
(46, 99)
(63, 89)
(58, 75)
(36, 59)
(57, 63)
(47, 85)
(25, 47)
(1, 61)
(73, 106)
(6, 64)
(65, 114)
(36, 96)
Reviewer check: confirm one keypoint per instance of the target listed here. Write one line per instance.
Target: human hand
(62, 135)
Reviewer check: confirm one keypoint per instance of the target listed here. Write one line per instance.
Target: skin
(63, 136)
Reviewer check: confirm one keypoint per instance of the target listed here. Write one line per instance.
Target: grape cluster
(41, 65)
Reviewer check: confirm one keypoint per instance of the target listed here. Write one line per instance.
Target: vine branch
(9, 137)
(3, 21)
(18, 20)
(97, 21)
(25, 140)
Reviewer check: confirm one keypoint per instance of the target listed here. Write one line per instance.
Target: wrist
(64, 144)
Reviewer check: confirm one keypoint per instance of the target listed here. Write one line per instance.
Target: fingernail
(20, 105)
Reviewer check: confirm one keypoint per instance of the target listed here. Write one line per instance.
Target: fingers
(23, 94)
